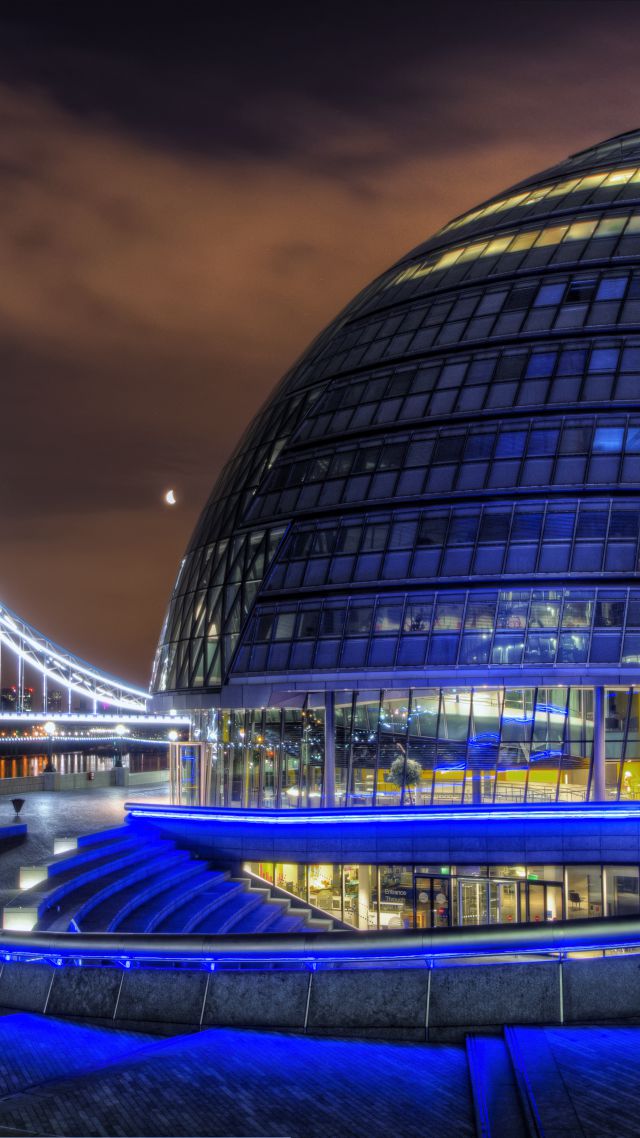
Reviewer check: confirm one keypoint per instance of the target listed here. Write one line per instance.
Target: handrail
(399, 947)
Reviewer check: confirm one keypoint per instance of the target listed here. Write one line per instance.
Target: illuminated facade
(416, 580)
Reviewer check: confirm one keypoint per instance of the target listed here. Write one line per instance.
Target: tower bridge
(52, 699)
(32, 654)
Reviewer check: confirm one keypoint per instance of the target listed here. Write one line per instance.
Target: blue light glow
(557, 812)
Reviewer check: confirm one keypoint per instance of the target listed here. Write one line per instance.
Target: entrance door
(503, 902)
(422, 894)
(440, 902)
(432, 902)
(473, 908)
(544, 902)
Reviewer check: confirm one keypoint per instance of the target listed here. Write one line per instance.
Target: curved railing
(341, 949)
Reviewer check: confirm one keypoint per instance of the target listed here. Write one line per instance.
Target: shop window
(584, 891)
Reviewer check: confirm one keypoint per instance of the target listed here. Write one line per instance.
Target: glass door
(473, 908)
(440, 902)
(503, 902)
(544, 902)
(536, 902)
(422, 894)
(432, 902)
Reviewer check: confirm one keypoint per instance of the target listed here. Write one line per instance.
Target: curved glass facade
(439, 503)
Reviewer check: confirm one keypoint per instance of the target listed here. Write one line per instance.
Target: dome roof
(446, 484)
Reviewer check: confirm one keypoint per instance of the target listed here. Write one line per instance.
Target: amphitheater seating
(125, 880)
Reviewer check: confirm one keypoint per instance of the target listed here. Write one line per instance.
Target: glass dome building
(417, 578)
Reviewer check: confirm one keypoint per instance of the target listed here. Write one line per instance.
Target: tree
(405, 773)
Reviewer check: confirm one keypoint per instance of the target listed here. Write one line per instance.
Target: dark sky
(188, 193)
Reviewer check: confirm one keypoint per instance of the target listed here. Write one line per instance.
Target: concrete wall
(441, 1004)
(10, 787)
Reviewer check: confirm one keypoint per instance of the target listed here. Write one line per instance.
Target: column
(329, 779)
(364, 895)
(599, 751)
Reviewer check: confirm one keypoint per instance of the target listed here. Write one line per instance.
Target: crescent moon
(170, 498)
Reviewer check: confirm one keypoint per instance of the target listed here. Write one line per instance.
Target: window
(359, 619)
(417, 616)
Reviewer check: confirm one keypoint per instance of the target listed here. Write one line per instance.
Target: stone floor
(52, 814)
(91, 1081)
(65, 1079)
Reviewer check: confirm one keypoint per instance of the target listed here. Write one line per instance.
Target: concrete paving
(56, 814)
(223, 1082)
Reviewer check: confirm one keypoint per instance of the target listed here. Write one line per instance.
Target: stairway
(494, 1089)
(534, 1082)
(132, 881)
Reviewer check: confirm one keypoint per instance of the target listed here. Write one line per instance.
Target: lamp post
(120, 732)
(50, 730)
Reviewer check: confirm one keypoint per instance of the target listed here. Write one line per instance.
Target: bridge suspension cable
(33, 649)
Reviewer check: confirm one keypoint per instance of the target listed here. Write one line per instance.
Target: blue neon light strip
(599, 812)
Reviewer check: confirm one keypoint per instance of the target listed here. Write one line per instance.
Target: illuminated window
(548, 236)
(552, 190)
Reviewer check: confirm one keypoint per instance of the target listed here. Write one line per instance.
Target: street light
(120, 732)
(172, 736)
(50, 730)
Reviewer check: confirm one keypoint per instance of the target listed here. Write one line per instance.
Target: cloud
(169, 249)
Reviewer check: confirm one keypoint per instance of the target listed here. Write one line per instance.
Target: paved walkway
(223, 1082)
(63, 813)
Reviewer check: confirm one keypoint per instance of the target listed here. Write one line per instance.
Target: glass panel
(396, 897)
(423, 902)
(422, 737)
(503, 902)
(364, 751)
(621, 885)
(441, 902)
(472, 901)
(584, 891)
(537, 903)
(325, 888)
(292, 878)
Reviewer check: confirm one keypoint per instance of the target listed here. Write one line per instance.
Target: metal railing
(430, 948)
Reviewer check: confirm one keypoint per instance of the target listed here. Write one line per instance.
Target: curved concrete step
(288, 923)
(148, 917)
(43, 899)
(185, 918)
(259, 920)
(86, 895)
(107, 915)
(225, 918)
